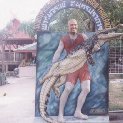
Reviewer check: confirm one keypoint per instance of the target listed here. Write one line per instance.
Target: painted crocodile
(57, 74)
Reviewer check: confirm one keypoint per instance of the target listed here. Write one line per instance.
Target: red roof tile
(13, 29)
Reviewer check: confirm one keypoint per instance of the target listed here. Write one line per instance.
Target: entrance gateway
(91, 7)
(97, 101)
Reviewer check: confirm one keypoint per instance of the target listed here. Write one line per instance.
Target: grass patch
(115, 96)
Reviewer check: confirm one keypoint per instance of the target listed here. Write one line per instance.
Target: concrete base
(116, 115)
(92, 119)
(98, 119)
(69, 119)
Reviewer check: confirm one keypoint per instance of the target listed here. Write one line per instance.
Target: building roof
(8, 47)
(16, 36)
(27, 48)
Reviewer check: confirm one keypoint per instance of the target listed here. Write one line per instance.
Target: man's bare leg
(63, 99)
(81, 99)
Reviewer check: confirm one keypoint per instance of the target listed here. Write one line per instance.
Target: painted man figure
(69, 42)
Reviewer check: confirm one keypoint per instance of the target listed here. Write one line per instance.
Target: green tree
(60, 20)
(114, 10)
(28, 27)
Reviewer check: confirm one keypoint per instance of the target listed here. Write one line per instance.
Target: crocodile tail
(50, 73)
(44, 95)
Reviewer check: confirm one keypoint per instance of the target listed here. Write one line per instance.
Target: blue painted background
(97, 100)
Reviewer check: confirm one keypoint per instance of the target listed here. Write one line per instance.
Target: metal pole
(3, 57)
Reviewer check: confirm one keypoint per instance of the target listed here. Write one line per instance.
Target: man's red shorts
(82, 74)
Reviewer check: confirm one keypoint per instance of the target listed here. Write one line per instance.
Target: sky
(24, 10)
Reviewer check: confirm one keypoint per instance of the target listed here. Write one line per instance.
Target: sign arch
(91, 7)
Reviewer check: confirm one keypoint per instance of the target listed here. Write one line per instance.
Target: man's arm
(58, 52)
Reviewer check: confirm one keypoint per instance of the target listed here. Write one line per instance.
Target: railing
(10, 57)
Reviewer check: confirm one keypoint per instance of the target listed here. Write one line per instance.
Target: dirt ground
(115, 96)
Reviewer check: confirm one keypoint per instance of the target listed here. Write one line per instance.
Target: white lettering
(44, 26)
(50, 14)
(78, 5)
(72, 3)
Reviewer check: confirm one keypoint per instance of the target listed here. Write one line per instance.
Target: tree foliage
(60, 20)
(114, 10)
(28, 27)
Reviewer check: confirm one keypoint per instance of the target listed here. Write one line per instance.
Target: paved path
(17, 98)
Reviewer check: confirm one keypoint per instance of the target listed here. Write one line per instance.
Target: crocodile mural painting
(53, 79)
(46, 102)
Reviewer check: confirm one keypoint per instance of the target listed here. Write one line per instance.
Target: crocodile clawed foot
(57, 93)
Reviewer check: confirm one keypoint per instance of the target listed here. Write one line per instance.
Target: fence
(116, 57)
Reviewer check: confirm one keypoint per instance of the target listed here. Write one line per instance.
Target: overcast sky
(23, 10)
